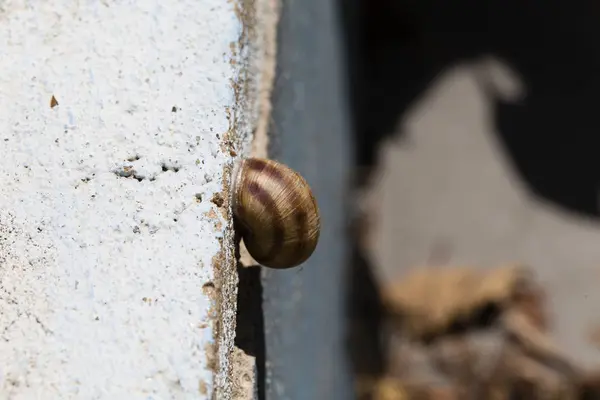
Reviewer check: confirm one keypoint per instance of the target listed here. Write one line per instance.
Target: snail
(275, 213)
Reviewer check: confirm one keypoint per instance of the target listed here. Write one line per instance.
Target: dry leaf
(429, 300)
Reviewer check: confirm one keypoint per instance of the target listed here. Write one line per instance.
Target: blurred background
(452, 146)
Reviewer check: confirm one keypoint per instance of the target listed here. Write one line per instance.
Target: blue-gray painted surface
(304, 308)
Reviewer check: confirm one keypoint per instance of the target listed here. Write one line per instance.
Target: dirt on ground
(464, 333)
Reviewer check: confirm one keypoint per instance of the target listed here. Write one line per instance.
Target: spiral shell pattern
(276, 213)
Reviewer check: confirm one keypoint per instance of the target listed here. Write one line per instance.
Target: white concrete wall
(110, 246)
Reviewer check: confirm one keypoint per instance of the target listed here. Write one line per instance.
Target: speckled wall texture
(107, 231)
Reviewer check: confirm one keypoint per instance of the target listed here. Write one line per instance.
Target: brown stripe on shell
(256, 164)
(270, 169)
(290, 241)
(267, 201)
(298, 250)
(302, 239)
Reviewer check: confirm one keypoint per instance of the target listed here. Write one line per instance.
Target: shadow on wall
(552, 136)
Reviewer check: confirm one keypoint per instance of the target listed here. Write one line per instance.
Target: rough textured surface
(107, 232)
(258, 47)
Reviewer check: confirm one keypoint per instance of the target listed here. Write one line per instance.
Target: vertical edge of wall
(120, 124)
(304, 309)
(255, 57)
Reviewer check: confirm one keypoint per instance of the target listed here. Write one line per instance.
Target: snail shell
(275, 213)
